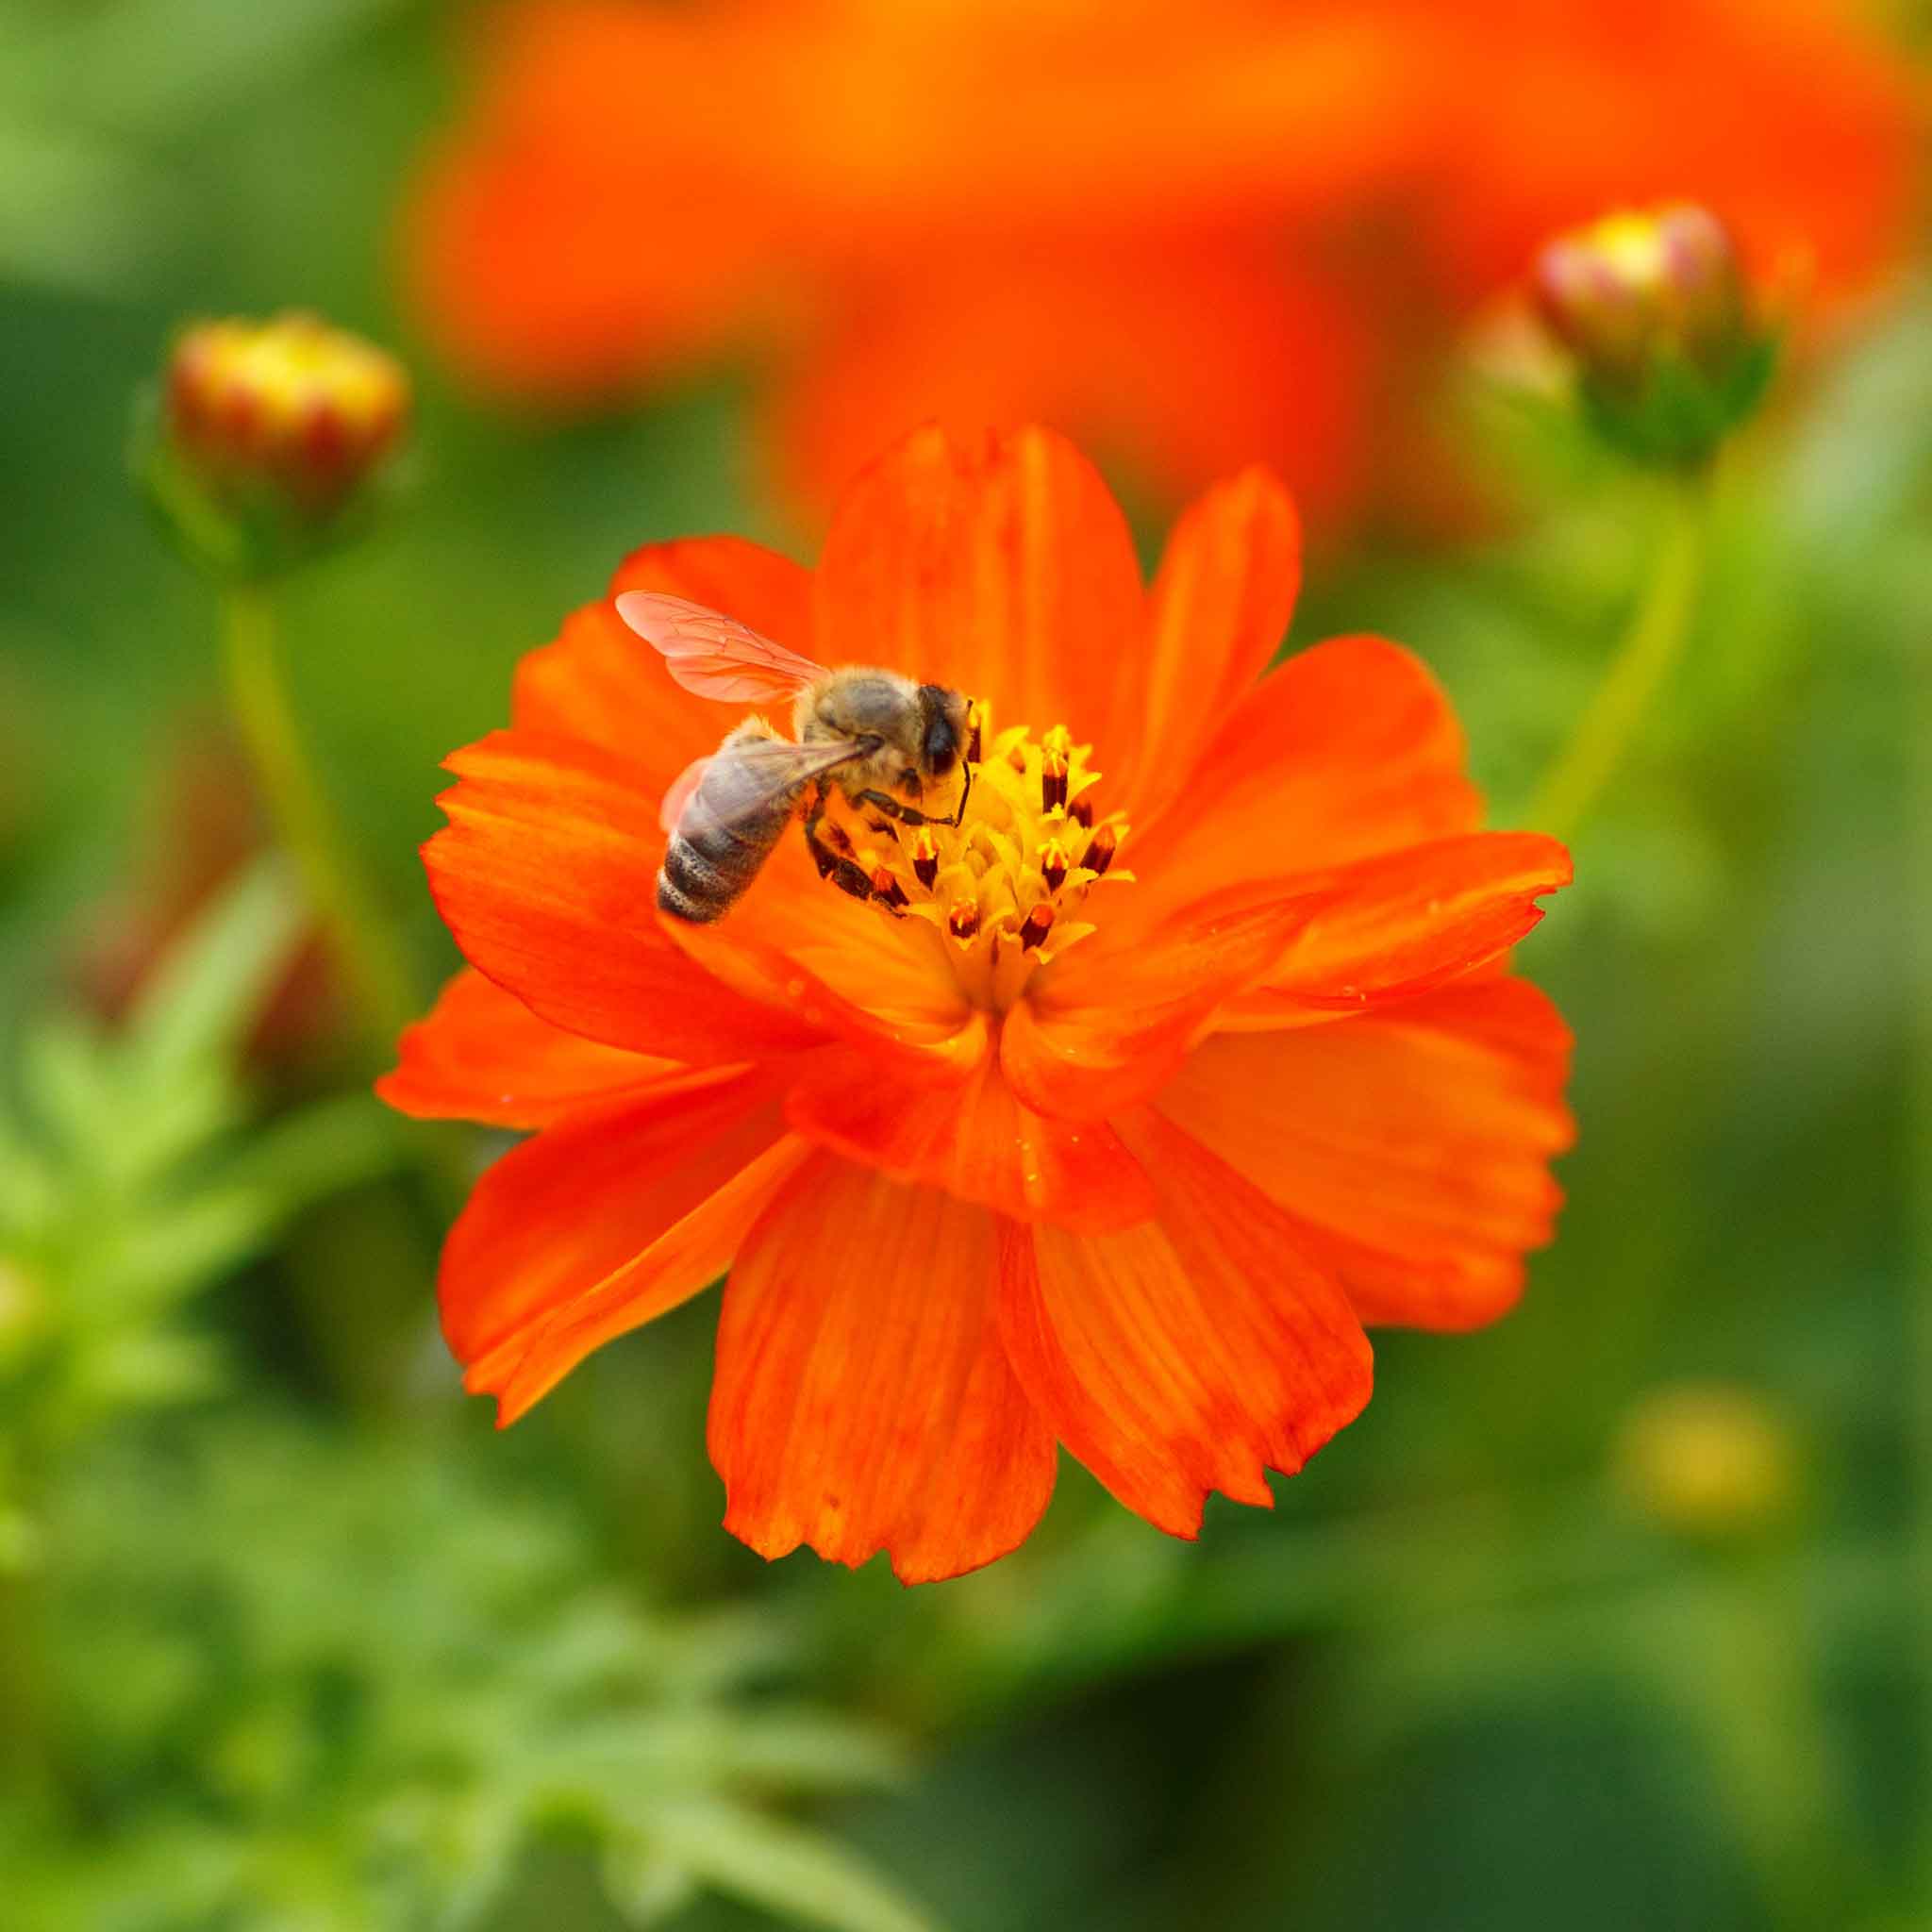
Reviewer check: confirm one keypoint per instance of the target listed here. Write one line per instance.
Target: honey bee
(871, 733)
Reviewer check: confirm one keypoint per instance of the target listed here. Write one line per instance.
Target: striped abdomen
(727, 829)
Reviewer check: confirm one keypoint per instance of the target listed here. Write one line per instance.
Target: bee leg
(911, 815)
(906, 814)
(846, 873)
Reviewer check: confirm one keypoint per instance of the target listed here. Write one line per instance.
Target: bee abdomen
(706, 874)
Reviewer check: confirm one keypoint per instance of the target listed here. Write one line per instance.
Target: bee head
(942, 715)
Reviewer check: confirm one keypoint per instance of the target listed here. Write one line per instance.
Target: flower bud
(270, 441)
(1709, 1461)
(1654, 310)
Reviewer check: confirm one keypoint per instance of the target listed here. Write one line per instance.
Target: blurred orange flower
(1032, 1146)
(1194, 234)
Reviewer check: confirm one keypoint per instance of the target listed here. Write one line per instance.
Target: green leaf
(153, 1371)
(214, 982)
(801, 1750)
(65, 1086)
(790, 1871)
(31, 1192)
(328, 1146)
(169, 1252)
(150, 1131)
(644, 1884)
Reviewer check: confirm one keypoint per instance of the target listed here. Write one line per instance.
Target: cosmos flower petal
(563, 1210)
(988, 1485)
(1086, 1067)
(1412, 1144)
(1187, 1354)
(999, 567)
(1349, 749)
(547, 873)
(690, 1255)
(975, 1137)
(481, 1054)
(1115, 1020)
(1402, 923)
(933, 1033)
(860, 1400)
(1218, 612)
(598, 681)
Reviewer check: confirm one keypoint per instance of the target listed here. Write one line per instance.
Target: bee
(869, 733)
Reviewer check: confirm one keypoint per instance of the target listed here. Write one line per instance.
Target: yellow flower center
(1632, 246)
(1004, 892)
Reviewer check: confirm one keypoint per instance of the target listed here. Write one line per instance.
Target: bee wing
(715, 655)
(677, 794)
(741, 782)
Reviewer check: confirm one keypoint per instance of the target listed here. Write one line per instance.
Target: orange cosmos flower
(1009, 213)
(1794, 121)
(1108, 1118)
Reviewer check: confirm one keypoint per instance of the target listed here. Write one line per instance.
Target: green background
(291, 1638)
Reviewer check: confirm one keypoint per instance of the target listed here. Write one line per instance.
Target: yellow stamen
(1004, 893)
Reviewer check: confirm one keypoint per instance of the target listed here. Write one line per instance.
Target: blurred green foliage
(132, 1175)
(261, 1672)
(307, 1681)
(291, 1638)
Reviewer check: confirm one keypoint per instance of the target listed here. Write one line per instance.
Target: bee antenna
(959, 817)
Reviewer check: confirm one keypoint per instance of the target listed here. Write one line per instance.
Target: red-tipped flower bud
(1654, 309)
(269, 438)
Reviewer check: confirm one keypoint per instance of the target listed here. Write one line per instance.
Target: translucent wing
(715, 655)
(678, 793)
(746, 777)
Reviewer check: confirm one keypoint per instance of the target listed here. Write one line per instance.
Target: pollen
(1004, 893)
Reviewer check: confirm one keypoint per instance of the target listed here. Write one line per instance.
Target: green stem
(353, 1333)
(377, 973)
(1779, 1763)
(1642, 663)
(1917, 664)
